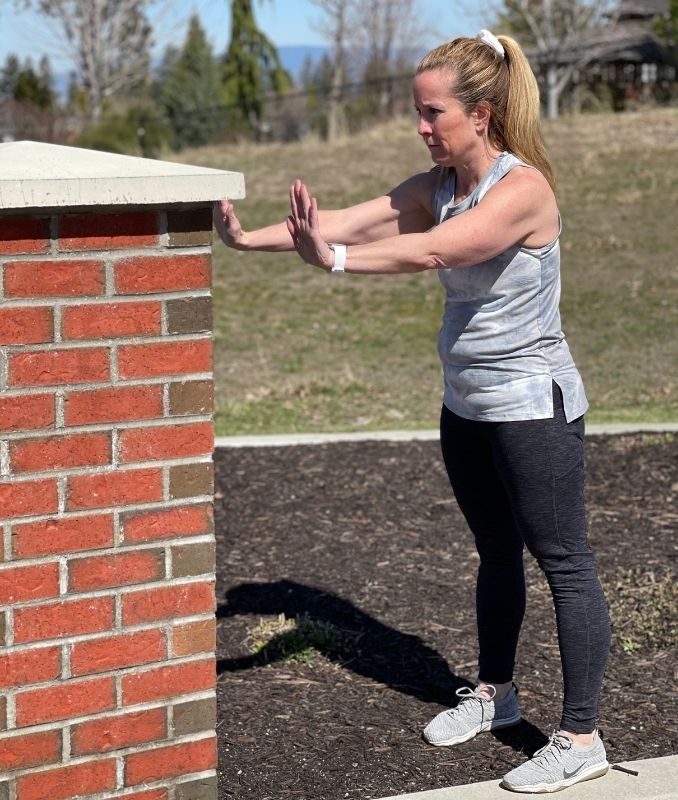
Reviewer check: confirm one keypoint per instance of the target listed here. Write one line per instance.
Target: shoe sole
(596, 771)
(493, 726)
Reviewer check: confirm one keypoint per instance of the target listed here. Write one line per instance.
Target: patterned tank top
(501, 342)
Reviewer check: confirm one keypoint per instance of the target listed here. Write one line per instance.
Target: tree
(8, 75)
(388, 32)
(556, 30)
(251, 67)
(108, 41)
(333, 25)
(189, 88)
(666, 27)
(315, 80)
(24, 84)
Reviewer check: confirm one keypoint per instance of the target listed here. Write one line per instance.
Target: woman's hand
(228, 225)
(304, 229)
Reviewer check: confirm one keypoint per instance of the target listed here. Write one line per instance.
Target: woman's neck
(469, 173)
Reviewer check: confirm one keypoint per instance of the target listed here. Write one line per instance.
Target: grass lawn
(300, 350)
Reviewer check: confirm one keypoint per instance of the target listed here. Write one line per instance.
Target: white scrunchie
(489, 38)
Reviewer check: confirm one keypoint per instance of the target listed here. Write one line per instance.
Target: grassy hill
(299, 350)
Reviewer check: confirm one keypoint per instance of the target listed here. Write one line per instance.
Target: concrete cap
(39, 175)
(657, 779)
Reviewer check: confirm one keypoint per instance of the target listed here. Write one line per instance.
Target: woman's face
(447, 130)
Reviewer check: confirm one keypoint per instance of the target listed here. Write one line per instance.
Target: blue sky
(286, 22)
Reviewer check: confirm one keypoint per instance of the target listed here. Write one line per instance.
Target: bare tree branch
(558, 32)
(108, 41)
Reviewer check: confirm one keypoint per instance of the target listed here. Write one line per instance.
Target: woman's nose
(423, 128)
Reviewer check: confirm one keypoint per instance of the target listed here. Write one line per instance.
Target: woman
(512, 429)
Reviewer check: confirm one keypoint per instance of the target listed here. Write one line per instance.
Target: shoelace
(556, 742)
(466, 695)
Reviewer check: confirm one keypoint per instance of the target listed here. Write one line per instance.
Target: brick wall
(107, 672)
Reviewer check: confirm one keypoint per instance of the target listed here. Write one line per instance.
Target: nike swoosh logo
(567, 775)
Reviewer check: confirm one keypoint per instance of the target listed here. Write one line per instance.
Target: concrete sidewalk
(290, 439)
(657, 779)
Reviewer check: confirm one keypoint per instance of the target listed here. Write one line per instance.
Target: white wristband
(339, 257)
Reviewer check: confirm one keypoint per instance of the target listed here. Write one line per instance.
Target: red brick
(27, 412)
(147, 526)
(56, 367)
(24, 235)
(113, 405)
(54, 278)
(21, 584)
(183, 600)
(194, 637)
(170, 762)
(26, 325)
(68, 699)
(116, 652)
(56, 620)
(26, 498)
(172, 273)
(101, 572)
(114, 488)
(62, 535)
(60, 452)
(108, 231)
(30, 750)
(26, 667)
(165, 358)
(167, 441)
(66, 782)
(168, 681)
(103, 320)
(113, 733)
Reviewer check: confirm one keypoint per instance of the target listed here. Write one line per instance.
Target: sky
(285, 22)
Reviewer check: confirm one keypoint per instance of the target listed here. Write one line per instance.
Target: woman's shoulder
(517, 175)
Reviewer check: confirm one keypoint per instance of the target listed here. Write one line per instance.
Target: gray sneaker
(558, 765)
(473, 715)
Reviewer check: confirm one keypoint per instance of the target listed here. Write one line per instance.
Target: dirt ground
(346, 618)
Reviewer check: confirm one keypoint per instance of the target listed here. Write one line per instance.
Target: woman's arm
(405, 209)
(519, 210)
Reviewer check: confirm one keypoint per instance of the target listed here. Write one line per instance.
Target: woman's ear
(481, 117)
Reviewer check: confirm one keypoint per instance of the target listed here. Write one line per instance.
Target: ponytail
(505, 82)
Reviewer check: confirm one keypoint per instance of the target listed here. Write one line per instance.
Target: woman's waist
(478, 346)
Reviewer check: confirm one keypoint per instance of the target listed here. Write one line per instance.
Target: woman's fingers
(300, 203)
(293, 200)
(313, 216)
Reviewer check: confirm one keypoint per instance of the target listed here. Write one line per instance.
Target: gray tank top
(501, 342)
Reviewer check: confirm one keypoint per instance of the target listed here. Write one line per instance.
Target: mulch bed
(362, 544)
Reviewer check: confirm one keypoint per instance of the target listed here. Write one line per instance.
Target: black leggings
(523, 483)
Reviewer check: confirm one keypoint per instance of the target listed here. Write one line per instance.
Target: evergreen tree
(34, 87)
(666, 27)
(251, 68)
(8, 76)
(24, 84)
(46, 94)
(189, 89)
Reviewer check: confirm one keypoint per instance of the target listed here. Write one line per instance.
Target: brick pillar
(107, 630)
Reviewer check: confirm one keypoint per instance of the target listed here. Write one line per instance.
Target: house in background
(634, 61)
(622, 65)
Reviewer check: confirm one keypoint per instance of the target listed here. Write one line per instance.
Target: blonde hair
(480, 74)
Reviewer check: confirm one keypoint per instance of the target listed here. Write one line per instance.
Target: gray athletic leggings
(523, 483)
